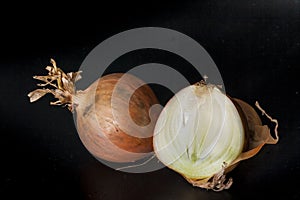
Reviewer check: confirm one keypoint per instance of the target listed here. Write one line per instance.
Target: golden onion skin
(96, 125)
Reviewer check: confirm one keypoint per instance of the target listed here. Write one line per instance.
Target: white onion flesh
(198, 130)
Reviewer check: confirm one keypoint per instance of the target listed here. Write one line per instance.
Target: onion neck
(62, 86)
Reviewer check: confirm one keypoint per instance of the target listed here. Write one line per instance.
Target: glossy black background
(255, 45)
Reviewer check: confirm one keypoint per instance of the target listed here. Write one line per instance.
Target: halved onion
(202, 133)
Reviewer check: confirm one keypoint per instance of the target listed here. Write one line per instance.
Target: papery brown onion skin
(99, 131)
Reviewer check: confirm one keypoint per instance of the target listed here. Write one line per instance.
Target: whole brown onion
(103, 122)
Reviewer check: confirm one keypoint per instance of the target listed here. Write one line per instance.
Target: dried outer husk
(256, 136)
(63, 84)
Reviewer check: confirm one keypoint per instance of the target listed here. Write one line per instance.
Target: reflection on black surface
(99, 182)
